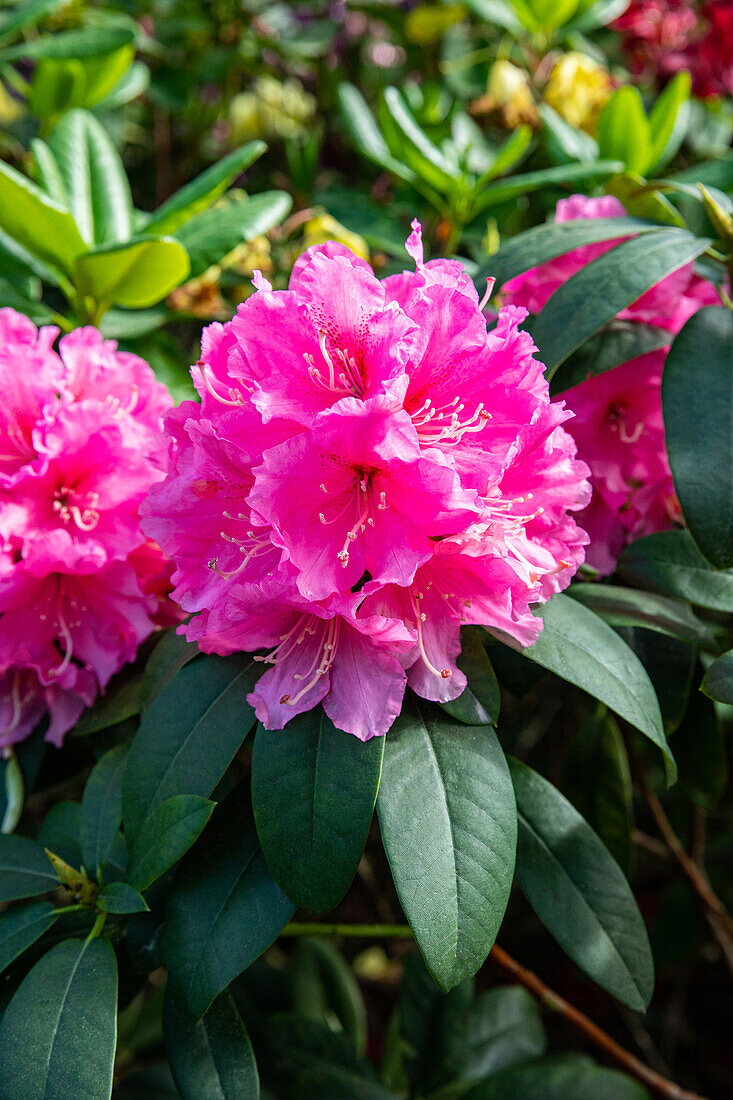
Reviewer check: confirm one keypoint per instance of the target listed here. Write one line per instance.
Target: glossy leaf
(428, 161)
(546, 242)
(36, 222)
(610, 283)
(579, 892)
(510, 153)
(201, 192)
(697, 402)
(617, 343)
(119, 702)
(446, 808)
(621, 606)
(134, 275)
(478, 704)
(224, 910)
(171, 653)
(165, 836)
(566, 142)
(24, 869)
(58, 1034)
(210, 235)
(501, 1028)
(302, 777)
(579, 647)
(211, 1059)
(86, 42)
(94, 179)
(101, 808)
(21, 926)
(119, 897)
(717, 682)
(526, 182)
(559, 1077)
(189, 735)
(669, 562)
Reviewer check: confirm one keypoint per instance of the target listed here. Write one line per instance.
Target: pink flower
(369, 469)
(667, 305)
(81, 442)
(619, 431)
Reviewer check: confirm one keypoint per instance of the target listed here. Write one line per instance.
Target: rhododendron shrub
(618, 423)
(369, 469)
(81, 587)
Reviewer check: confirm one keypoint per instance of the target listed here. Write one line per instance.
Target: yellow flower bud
(509, 93)
(577, 89)
(324, 228)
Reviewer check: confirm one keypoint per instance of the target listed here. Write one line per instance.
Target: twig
(591, 1031)
(716, 913)
(364, 931)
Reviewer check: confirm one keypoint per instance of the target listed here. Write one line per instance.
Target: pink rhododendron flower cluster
(618, 423)
(367, 471)
(81, 442)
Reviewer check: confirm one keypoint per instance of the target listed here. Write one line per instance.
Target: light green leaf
(36, 222)
(212, 234)
(134, 275)
(668, 121)
(623, 130)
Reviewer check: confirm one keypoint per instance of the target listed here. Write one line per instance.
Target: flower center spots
(340, 372)
(75, 507)
(616, 415)
(364, 518)
(448, 424)
(325, 635)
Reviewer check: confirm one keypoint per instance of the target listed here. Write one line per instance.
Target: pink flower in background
(618, 424)
(619, 432)
(369, 469)
(667, 305)
(81, 442)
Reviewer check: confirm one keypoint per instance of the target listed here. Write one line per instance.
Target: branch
(591, 1031)
(715, 911)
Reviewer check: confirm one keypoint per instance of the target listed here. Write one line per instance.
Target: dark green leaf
(324, 987)
(24, 869)
(670, 562)
(559, 1077)
(302, 777)
(210, 235)
(430, 1023)
(446, 807)
(118, 703)
(697, 401)
(101, 808)
(200, 193)
(58, 1034)
(526, 182)
(305, 1059)
(579, 892)
(501, 1028)
(610, 283)
(670, 664)
(21, 926)
(631, 607)
(546, 242)
(211, 1059)
(225, 908)
(188, 735)
(169, 656)
(613, 799)
(166, 835)
(94, 179)
(60, 832)
(717, 682)
(617, 343)
(118, 897)
(579, 647)
(699, 746)
(478, 704)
